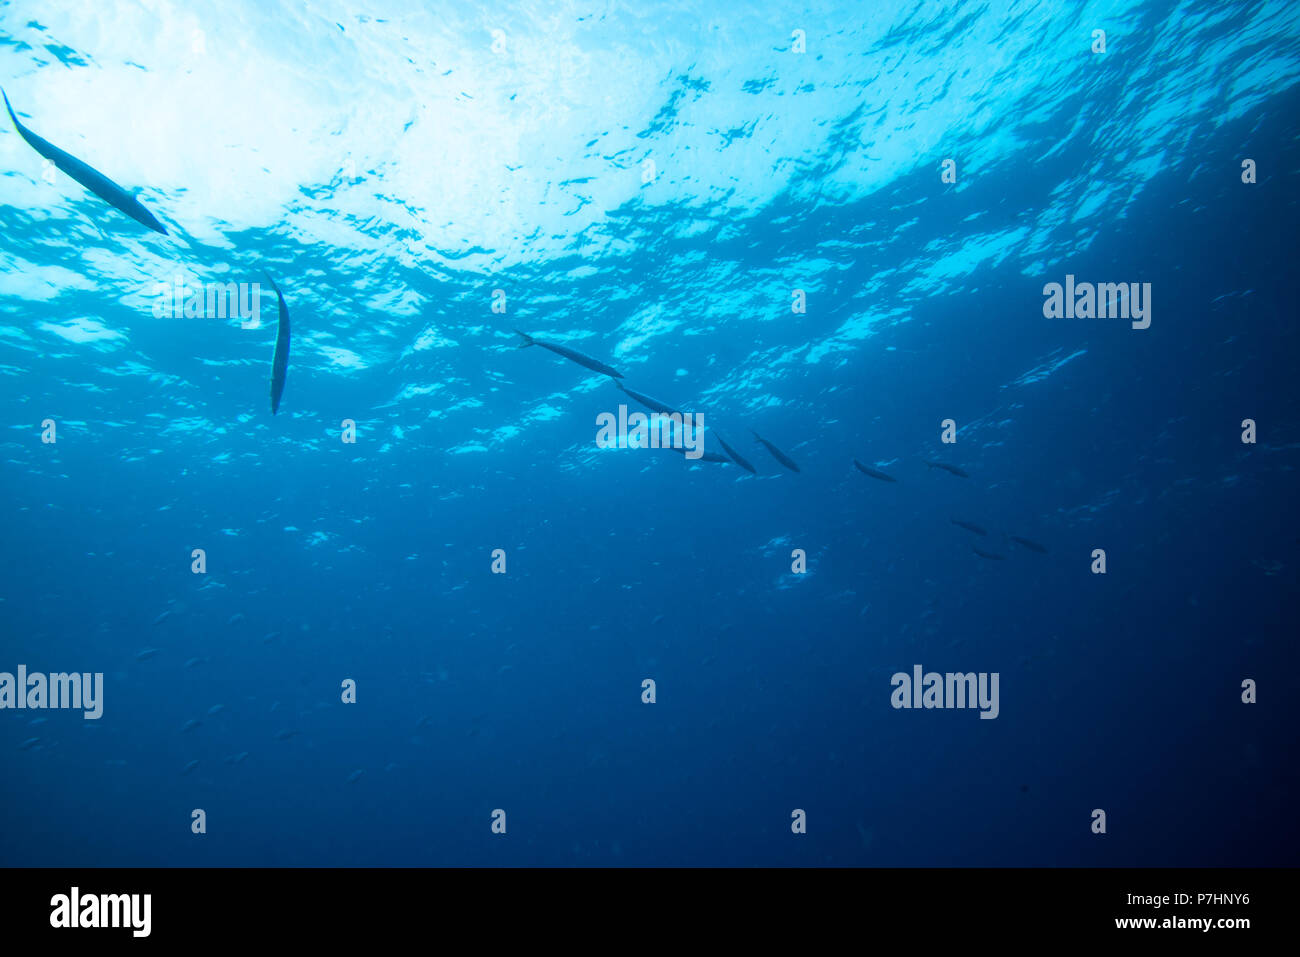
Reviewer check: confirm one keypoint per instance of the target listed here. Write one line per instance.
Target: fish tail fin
(528, 340)
(10, 109)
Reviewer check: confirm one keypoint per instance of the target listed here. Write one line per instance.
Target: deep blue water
(391, 170)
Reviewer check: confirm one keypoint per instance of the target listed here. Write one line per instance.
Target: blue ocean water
(658, 187)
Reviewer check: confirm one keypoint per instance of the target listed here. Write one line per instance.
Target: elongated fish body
(952, 469)
(705, 456)
(983, 554)
(969, 526)
(280, 365)
(650, 402)
(777, 453)
(573, 355)
(1032, 546)
(735, 456)
(87, 176)
(874, 473)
